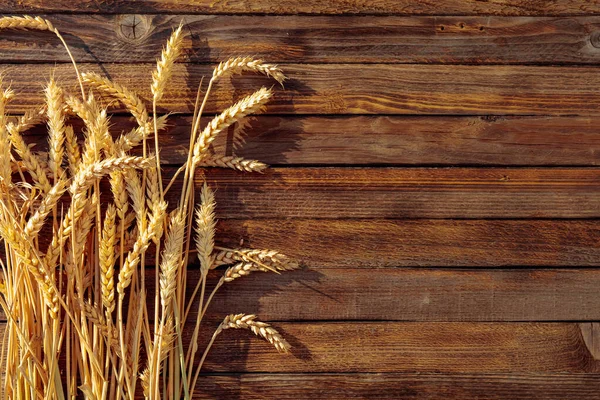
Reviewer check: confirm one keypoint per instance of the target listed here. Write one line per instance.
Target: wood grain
(399, 385)
(400, 294)
(405, 193)
(377, 243)
(388, 140)
(409, 347)
(315, 39)
(404, 7)
(404, 347)
(375, 89)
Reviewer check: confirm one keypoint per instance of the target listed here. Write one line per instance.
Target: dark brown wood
(314, 39)
(391, 243)
(399, 385)
(397, 294)
(409, 347)
(404, 7)
(403, 347)
(394, 294)
(405, 193)
(389, 140)
(375, 88)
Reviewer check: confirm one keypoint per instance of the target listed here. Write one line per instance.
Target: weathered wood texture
(410, 347)
(389, 140)
(376, 243)
(400, 294)
(336, 7)
(375, 88)
(400, 386)
(406, 193)
(315, 39)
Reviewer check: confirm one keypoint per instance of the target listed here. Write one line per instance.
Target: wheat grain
(205, 227)
(26, 22)
(171, 257)
(35, 223)
(164, 66)
(271, 258)
(264, 330)
(56, 126)
(85, 177)
(139, 247)
(30, 160)
(246, 106)
(128, 98)
(237, 65)
(107, 258)
(73, 151)
(237, 163)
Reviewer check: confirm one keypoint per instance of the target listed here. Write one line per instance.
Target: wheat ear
(249, 321)
(31, 161)
(128, 98)
(205, 228)
(140, 246)
(73, 151)
(107, 258)
(171, 257)
(237, 163)
(270, 258)
(164, 66)
(246, 106)
(56, 127)
(237, 65)
(35, 223)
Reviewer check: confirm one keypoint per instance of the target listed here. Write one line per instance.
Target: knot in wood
(595, 39)
(133, 28)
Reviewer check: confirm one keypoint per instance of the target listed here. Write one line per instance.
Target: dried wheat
(246, 106)
(164, 66)
(249, 321)
(107, 258)
(237, 65)
(238, 163)
(205, 227)
(128, 98)
(56, 127)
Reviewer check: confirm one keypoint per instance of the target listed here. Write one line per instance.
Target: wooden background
(435, 171)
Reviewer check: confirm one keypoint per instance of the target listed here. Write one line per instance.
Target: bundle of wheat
(81, 297)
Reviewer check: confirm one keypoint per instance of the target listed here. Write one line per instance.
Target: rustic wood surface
(436, 175)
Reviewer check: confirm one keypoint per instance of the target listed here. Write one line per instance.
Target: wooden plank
(416, 243)
(398, 294)
(469, 193)
(409, 347)
(403, 347)
(389, 140)
(377, 88)
(394, 294)
(399, 385)
(376, 243)
(403, 7)
(314, 39)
